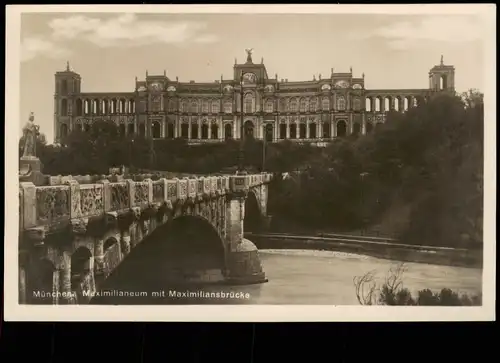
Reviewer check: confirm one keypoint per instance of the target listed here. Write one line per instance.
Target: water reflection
(303, 277)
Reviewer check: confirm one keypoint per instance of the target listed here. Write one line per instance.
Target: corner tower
(67, 86)
(442, 77)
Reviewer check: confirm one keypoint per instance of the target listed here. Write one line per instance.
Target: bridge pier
(244, 265)
(243, 261)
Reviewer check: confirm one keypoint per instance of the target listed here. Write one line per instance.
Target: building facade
(315, 111)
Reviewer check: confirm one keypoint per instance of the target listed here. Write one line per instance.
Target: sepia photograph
(332, 160)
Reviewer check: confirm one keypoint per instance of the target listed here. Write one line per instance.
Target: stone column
(287, 128)
(363, 124)
(99, 256)
(125, 242)
(64, 271)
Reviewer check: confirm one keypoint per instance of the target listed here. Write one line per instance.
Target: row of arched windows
(205, 131)
(387, 103)
(98, 107)
(127, 106)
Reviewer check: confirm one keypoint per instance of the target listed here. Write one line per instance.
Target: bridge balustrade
(55, 205)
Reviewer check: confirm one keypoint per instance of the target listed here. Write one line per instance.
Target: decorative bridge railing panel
(53, 204)
(120, 196)
(91, 200)
(58, 204)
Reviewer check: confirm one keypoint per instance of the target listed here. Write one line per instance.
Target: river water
(311, 277)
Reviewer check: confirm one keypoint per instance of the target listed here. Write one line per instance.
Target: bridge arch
(81, 267)
(252, 221)
(184, 251)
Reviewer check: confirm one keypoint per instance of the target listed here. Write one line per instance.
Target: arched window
(249, 103)
(356, 104)
(170, 130)
(327, 134)
(406, 104)
(215, 106)
(312, 131)
(184, 106)
(228, 107)
(313, 105)
(228, 131)
(204, 106)
(302, 130)
(204, 131)
(156, 103)
(294, 107)
(105, 107)
(269, 107)
(283, 105)
(194, 131)
(185, 131)
(325, 104)
(368, 104)
(303, 105)
(64, 130)
(249, 129)
(341, 104)
(214, 131)
(194, 107)
(282, 134)
(64, 86)
(64, 107)
(387, 104)
(79, 107)
(156, 130)
(171, 105)
(123, 106)
(293, 130)
(341, 128)
(268, 132)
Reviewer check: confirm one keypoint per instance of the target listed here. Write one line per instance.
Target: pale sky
(110, 50)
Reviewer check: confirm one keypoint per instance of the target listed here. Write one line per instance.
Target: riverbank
(371, 246)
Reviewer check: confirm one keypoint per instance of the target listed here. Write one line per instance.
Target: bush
(393, 293)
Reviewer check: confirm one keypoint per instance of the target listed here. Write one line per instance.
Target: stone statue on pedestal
(30, 167)
(30, 134)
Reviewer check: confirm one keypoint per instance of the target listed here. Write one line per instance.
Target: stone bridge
(76, 238)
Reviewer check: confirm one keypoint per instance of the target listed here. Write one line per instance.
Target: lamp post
(241, 154)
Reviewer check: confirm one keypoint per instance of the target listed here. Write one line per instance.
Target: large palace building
(316, 111)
